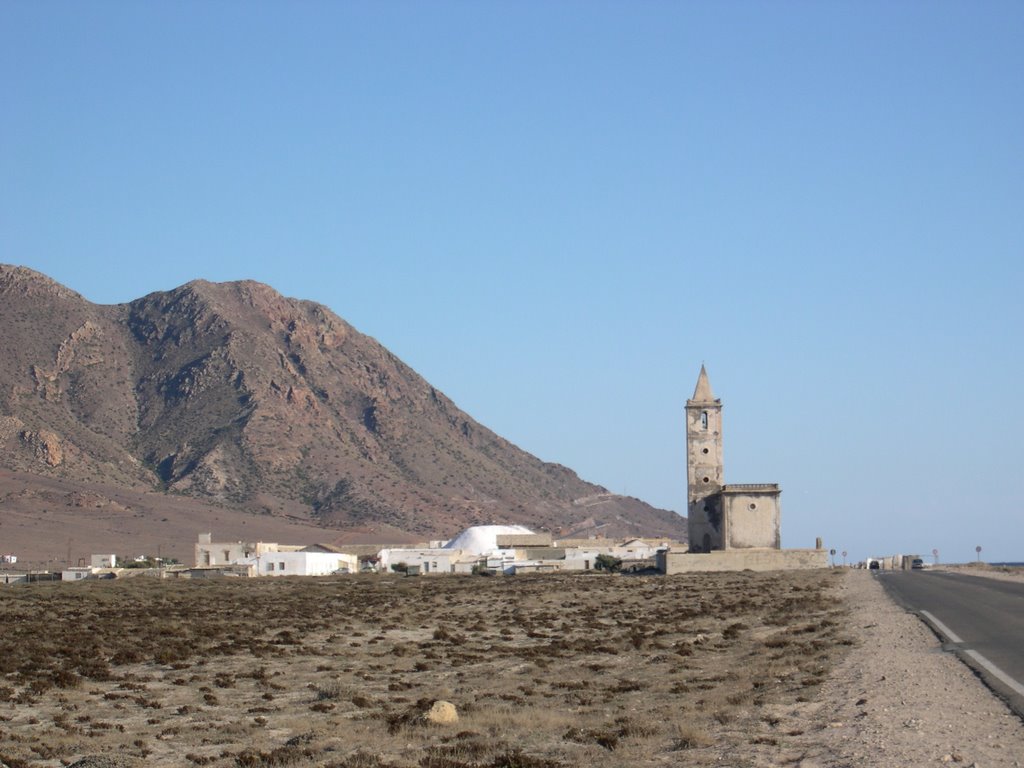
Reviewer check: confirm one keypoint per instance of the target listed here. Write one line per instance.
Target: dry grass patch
(545, 671)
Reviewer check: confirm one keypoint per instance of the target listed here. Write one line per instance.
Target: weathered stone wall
(706, 523)
(753, 519)
(671, 563)
(542, 553)
(514, 540)
(225, 552)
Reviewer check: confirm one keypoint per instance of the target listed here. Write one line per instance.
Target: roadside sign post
(935, 556)
(844, 558)
(978, 550)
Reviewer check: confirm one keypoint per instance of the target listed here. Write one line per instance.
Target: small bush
(690, 737)
(330, 690)
(608, 563)
(282, 756)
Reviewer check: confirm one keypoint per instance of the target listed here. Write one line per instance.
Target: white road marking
(953, 637)
(995, 671)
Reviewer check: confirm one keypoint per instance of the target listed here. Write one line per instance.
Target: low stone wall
(517, 540)
(742, 560)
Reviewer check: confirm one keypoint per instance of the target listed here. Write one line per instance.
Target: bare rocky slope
(234, 394)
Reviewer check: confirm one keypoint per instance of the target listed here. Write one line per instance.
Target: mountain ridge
(233, 393)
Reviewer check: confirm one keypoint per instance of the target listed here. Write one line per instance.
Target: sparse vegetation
(545, 671)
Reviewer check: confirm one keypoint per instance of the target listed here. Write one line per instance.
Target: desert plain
(807, 668)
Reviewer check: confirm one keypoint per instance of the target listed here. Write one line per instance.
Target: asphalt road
(981, 619)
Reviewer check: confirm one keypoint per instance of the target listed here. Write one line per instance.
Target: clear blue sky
(555, 211)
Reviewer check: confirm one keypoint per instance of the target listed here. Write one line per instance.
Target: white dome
(483, 539)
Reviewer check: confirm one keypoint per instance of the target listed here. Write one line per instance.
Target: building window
(704, 420)
(705, 451)
(270, 567)
(280, 566)
(752, 505)
(227, 555)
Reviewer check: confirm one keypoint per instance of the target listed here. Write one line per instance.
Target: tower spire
(702, 393)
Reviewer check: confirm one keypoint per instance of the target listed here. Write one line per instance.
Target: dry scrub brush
(545, 671)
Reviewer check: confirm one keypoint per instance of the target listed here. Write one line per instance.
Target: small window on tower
(704, 420)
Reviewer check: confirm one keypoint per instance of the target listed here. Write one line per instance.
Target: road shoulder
(899, 699)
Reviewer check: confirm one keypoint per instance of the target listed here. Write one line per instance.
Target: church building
(723, 516)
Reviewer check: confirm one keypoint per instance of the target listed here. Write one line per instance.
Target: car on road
(917, 564)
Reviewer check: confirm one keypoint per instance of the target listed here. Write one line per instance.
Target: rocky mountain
(234, 394)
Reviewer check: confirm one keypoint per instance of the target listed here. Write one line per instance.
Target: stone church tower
(721, 516)
(704, 473)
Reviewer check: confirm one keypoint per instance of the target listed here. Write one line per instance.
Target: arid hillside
(233, 394)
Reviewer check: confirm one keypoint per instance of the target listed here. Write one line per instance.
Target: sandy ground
(899, 700)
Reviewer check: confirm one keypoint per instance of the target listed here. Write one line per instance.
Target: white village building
(472, 547)
(78, 573)
(300, 563)
(511, 549)
(262, 558)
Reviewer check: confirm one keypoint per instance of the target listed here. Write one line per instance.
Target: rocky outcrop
(46, 445)
(82, 343)
(9, 427)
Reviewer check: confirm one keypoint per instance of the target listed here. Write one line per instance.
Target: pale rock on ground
(442, 713)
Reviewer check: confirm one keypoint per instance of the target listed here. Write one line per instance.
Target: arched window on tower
(704, 420)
